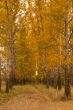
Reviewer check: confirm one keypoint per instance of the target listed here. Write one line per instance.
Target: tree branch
(70, 36)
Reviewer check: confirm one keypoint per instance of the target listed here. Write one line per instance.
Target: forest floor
(36, 97)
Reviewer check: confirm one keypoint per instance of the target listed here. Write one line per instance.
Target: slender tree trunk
(46, 68)
(67, 75)
(0, 74)
(72, 49)
(7, 85)
(10, 47)
(59, 80)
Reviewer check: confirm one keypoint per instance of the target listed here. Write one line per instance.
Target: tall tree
(67, 72)
(11, 17)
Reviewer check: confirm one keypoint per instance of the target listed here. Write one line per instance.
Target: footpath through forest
(35, 99)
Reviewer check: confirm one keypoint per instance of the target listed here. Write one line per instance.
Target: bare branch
(70, 36)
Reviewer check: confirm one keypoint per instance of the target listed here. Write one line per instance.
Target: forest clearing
(36, 54)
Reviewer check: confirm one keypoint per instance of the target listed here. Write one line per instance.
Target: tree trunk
(0, 74)
(67, 75)
(7, 85)
(46, 67)
(10, 46)
(59, 80)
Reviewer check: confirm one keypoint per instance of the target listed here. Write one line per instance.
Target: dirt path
(33, 99)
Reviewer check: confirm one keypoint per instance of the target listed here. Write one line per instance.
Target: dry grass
(36, 97)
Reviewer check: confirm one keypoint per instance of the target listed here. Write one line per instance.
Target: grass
(4, 97)
(52, 97)
(50, 93)
(54, 94)
(18, 89)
